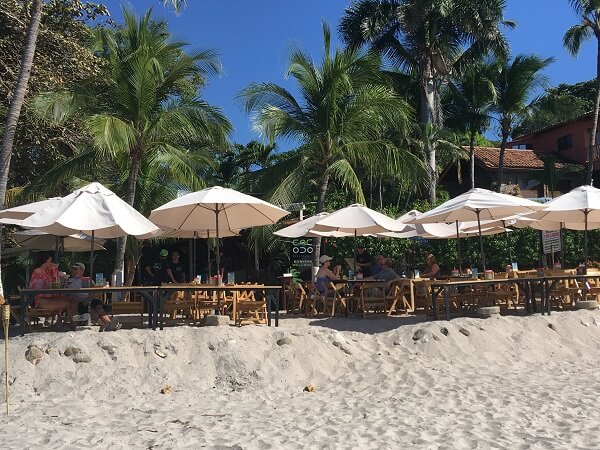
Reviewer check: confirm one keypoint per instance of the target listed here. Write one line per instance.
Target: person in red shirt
(42, 277)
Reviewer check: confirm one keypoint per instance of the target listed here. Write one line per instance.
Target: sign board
(301, 257)
(551, 241)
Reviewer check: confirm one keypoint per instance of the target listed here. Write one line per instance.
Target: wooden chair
(129, 307)
(315, 302)
(398, 299)
(334, 296)
(503, 294)
(247, 308)
(180, 302)
(373, 298)
(33, 314)
(422, 294)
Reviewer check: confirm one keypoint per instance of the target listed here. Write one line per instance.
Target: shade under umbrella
(477, 205)
(218, 209)
(93, 210)
(304, 228)
(38, 240)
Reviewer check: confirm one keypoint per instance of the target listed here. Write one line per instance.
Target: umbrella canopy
(16, 215)
(216, 208)
(477, 205)
(304, 228)
(38, 240)
(577, 208)
(93, 209)
(358, 220)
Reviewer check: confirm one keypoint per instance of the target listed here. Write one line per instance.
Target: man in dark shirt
(175, 269)
(158, 269)
(363, 261)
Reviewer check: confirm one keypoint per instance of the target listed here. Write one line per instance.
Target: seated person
(42, 277)
(325, 275)
(96, 309)
(363, 261)
(433, 269)
(377, 265)
(386, 274)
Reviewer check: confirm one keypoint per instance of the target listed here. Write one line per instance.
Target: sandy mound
(468, 383)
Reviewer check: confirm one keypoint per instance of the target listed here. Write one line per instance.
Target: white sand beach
(507, 382)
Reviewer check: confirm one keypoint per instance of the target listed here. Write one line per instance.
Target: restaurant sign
(302, 254)
(551, 241)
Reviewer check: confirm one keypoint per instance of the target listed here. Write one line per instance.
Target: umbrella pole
(562, 246)
(585, 243)
(92, 257)
(355, 250)
(190, 259)
(458, 248)
(508, 246)
(208, 253)
(480, 240)
(218, 247)
(56, 248)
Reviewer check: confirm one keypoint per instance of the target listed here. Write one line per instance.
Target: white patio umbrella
(216, 208)
(38, 240)
(357, 220)
(93, 210)
(577, 208)
(304, 228)
(439, 230)
(477, 205)
(16, 215)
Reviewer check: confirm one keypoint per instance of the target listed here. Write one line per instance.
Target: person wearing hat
(158, 269)
(325, 274)
(98, 314)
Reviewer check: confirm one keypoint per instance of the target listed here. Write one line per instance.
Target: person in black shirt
(363, 261)
(175, 269)
(158, 269)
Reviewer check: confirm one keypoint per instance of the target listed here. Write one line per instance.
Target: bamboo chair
(180, 302)
(422, 295)
(315, 302)
(334, 295)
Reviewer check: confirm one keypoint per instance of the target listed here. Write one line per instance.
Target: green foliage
(62, 58)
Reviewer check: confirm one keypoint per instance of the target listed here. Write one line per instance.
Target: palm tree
(515, 82)
(18, 96)
(589, 11)
(471, 95)
(148, 109)
(341, 121)
(430, 38)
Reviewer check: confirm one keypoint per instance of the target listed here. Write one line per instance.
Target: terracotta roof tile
(488, 157)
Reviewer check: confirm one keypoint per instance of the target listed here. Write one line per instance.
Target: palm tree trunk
(16, 102)
(320, 208)
(428, 105)
(131, 183)
(591, 151)
(18, 96)
(500, 177)
(472, 156)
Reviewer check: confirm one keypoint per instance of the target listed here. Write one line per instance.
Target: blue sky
(253, 36)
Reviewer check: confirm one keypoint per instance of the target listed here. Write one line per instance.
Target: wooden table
(530, 285)
(148, 292)
(163, 293)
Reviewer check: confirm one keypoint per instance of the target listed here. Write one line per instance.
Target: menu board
(551, 241)
(301, 257)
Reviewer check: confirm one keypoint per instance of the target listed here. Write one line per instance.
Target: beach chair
(180, 302)
(333, 297)
(398, 298)
(373, 298)
(247, 308)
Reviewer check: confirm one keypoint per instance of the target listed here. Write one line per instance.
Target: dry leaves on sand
(309, 388)
(166, 390)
